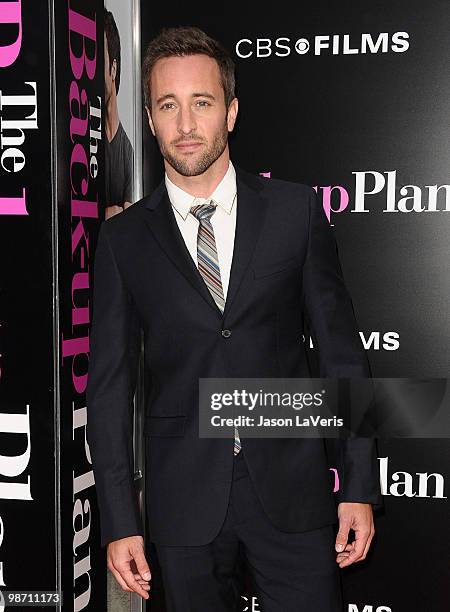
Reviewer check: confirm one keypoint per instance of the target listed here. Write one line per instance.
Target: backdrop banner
(353, 101)
(79, 85)
(51, 198)
(27, 433)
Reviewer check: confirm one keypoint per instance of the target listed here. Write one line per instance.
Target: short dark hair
(113, 42)
(187, 40)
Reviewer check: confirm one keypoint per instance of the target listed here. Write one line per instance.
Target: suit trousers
(288, 571)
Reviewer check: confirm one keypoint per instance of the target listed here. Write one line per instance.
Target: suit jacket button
(226, 333)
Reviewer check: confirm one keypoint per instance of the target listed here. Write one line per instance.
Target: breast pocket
(276, 267)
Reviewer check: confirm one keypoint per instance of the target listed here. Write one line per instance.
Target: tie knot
(203, 212)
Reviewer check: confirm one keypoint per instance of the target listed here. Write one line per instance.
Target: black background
(315, 120)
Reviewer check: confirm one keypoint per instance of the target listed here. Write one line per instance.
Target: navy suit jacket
(285, 277)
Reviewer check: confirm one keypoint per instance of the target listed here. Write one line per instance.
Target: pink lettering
(14, 206)
(336, 479)
(78, 124)
(80, 315)
(79, 157)
(76, 347)
(86, 28)
(84, 208)
(11, 12)
(327, 195)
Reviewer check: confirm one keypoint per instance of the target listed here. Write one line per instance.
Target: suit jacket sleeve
(329, 309)
(113, 362)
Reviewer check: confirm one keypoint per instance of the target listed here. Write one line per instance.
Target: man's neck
(203, 185)
(111, 117)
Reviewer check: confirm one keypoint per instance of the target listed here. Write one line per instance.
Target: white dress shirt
(223, 220)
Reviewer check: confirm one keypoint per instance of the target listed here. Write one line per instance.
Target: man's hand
(126, 561)
(358, 517)
(112, 210)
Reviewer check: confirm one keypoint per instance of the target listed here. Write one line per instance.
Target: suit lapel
(251, 211)
(251, 207)
(162, 223)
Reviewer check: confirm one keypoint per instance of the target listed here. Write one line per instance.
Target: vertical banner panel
(123, 182)
(80, 188)
(27, 434)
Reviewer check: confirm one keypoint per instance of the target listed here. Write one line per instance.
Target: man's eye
(203, 103)
(166, 105)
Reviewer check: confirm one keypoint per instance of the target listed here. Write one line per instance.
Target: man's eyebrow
(201, 94)
(164, 97)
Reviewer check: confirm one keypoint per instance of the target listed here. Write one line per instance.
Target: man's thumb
(342, 537)
(142, 565)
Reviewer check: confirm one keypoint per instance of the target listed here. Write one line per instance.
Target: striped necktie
(208, 265)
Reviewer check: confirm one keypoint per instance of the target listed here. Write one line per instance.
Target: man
(118, 149)
(221, 269)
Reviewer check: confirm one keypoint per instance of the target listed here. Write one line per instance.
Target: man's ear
(150, 122)
(232, 113)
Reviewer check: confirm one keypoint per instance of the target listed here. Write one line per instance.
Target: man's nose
(186, 120)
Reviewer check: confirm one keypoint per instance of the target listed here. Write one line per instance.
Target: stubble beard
(193, 165)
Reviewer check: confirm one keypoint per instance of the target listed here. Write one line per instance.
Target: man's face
(188, 114)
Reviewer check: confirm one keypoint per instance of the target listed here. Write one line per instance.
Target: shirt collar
(224, 194)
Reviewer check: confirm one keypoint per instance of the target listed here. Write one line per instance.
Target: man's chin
(193, 172)
(186, 168)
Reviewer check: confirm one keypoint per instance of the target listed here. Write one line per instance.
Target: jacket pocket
(167, 426)
(277, 266)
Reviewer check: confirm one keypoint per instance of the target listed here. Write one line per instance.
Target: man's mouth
(188, 146)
